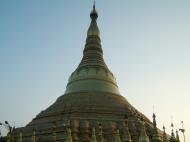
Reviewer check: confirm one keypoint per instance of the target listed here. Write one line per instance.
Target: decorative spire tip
(94, 6)
(94, 14)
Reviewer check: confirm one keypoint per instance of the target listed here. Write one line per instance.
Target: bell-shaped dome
(92, 79)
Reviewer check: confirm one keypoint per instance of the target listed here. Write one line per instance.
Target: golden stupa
(92, 108)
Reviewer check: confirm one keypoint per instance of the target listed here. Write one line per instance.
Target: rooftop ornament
(182, 130)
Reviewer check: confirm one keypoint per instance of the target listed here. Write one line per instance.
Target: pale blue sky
(146, 45)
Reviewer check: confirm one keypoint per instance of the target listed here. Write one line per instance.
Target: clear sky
(146, 45)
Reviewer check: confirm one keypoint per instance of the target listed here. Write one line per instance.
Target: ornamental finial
(94, 14)
(94, 6)
(154, 119)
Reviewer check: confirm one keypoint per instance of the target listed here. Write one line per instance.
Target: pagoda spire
(172, 138)
(164, 135)
(154, 119)
(177, 136)
(93, 29)
(93, 53)
(143, 135)
(126, 134)
(92, 74)
(155, 135)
